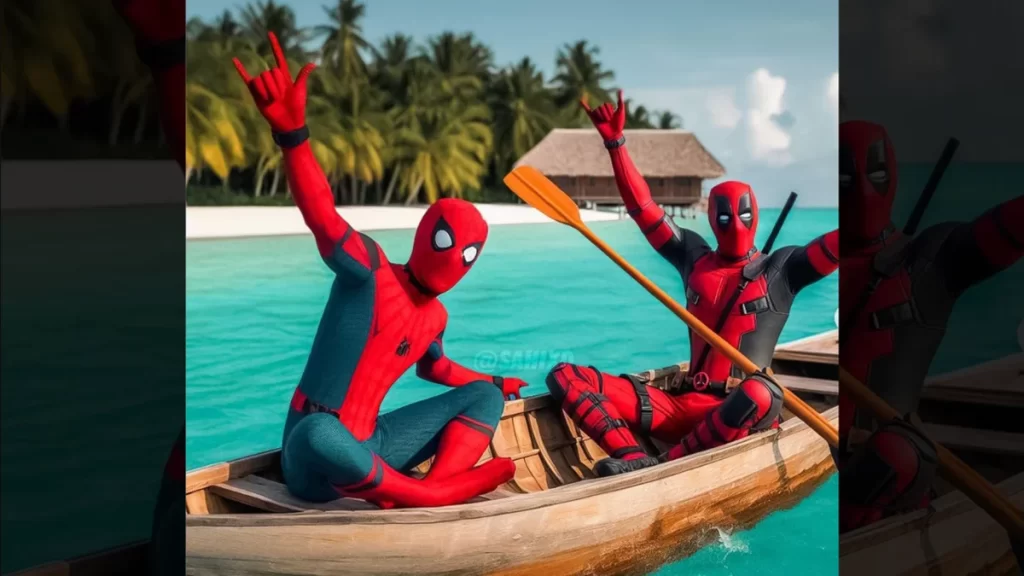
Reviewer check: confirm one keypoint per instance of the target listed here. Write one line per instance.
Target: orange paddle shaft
(959, 474)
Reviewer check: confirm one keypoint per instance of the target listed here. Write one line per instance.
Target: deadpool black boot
(614, 466)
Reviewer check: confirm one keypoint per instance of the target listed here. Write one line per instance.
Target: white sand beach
(203, 222)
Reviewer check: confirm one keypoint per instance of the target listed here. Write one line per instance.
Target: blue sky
(751, 79)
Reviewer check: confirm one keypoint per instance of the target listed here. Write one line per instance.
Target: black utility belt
(701, 383)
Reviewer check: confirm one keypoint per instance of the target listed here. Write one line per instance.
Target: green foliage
(398, 121)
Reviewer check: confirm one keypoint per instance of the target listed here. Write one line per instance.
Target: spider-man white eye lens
(443, 236)
(723, 219)
(442, 240)
(469, 253)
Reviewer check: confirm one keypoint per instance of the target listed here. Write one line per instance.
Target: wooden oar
(975, 487)
(536, 190)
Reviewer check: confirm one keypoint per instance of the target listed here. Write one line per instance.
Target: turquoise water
(539, 294)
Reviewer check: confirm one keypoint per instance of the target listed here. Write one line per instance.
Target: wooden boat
(969, 412)
(554, 517)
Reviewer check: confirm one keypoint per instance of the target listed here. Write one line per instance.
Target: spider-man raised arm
(975, 251)
(282, 102)
(159, 29)
(679, 246)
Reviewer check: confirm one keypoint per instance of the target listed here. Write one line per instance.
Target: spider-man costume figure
(744, 294)
(159, 29)
(380, 319)
(160, 36)
(897, 294)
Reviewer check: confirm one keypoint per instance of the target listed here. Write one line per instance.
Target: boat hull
(627, 524)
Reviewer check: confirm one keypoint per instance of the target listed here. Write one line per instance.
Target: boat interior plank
(976, 440)
(270, 496)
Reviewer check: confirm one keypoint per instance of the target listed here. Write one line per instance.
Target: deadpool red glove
(279, 99)
(510, 387)
(609, 120)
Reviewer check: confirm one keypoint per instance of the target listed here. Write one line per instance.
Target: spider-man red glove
(279, 99)
(509, 387)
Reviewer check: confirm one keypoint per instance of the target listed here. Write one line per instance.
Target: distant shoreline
(221, 222)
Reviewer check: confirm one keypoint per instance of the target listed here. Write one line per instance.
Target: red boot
(462, 443)
(387, 488)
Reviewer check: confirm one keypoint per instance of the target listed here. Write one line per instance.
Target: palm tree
(59, 55)
(344, 45)
(213, 133)
(462, 63)
(579, 75)
(417, 122)
(523, 109)
(268, 16)
(448, 155)
(637, 117)
(666, 120)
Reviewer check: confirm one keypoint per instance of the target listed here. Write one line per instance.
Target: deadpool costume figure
(744, 295)
(897, 295)
(380, 319)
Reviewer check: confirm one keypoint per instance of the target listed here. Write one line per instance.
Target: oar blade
(538, 191)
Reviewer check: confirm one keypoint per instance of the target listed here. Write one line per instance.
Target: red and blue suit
(896, 297)
(733, 287)
(159, 29)
(381, 319)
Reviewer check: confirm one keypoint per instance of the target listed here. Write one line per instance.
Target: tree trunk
(354, 188)
(140, 126)
(414, 193)
(377, 189)
(261, 173)
(273, 183)
(116, 113)
(188, 173)
(5, 109)
(362, 192)
(391, 187)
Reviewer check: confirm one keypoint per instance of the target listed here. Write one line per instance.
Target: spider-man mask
(448, 241)
(867, 180)
(732, 212)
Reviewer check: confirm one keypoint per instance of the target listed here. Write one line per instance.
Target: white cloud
(833, 94)
(721, 104)
(768, 142)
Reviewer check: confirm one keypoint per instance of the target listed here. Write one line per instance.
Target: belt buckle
(701, 381)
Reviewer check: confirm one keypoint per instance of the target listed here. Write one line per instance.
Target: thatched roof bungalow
(674, 163)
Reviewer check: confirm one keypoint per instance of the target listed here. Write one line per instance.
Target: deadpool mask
(732, 213)
(448, 241)
(867, 180)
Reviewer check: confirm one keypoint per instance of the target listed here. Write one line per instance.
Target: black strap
(858, 307)
(754, 306)
(612, 144)
(892, 316)
(310, 407)
(164, 55)
(627, 451)
(646, 416)
(720, 324)
(293, 138)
